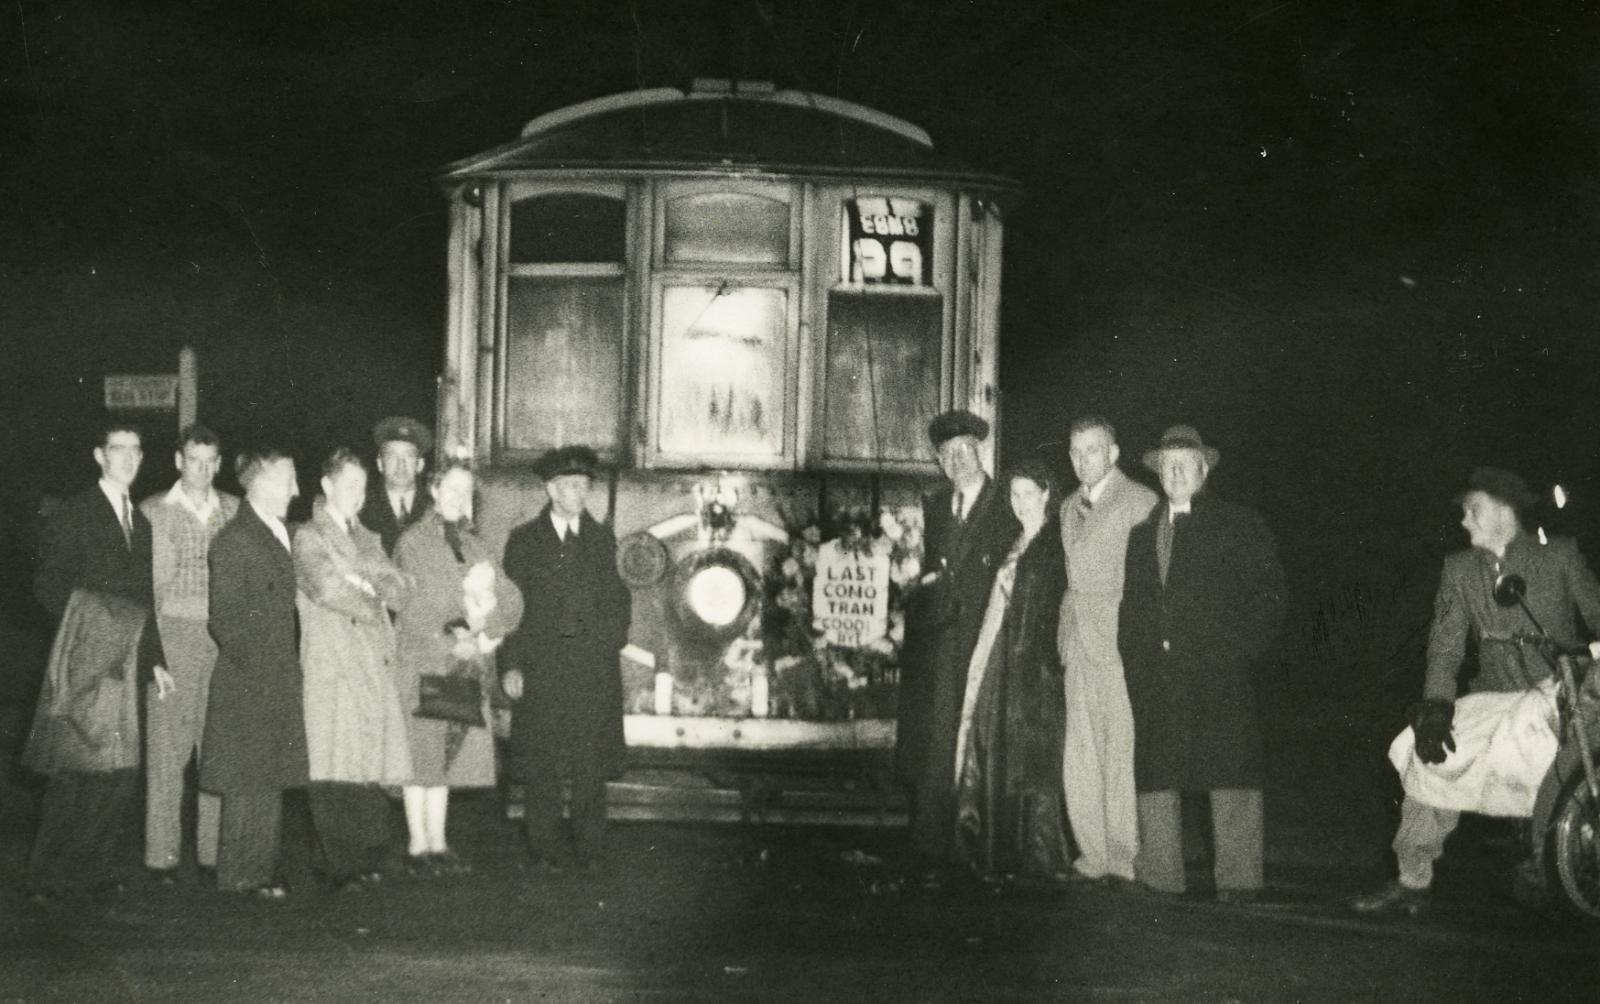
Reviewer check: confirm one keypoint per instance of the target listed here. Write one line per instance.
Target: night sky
(1354, 243)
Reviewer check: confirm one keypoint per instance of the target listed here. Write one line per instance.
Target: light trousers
(173, 727)
(1097, 770)
(1420, 840)
(1236, 828)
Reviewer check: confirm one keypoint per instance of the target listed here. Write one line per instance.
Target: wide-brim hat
(1507, 486)
(406, 430)
(956, 423)
(569, 460)
(1181, 437)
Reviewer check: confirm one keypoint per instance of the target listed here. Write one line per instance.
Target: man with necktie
(968, 528)
(1202, 605)
(94, 576)
(562, 669)
(1097, 762)
(395, 502)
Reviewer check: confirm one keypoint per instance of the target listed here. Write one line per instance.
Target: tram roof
(724, 127)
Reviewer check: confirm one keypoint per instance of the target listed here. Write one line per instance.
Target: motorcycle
(1565, 830)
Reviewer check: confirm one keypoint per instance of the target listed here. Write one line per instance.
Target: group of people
(1051, 631)
(1074, 665)
(354, 655)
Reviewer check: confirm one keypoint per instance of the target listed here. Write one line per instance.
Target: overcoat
(1560, 587)
(82, 547)
(424, 554)
(942, 624)
(569, 719)
(1191, 646)
(255, 739)
(1012, 816)
(354, 728)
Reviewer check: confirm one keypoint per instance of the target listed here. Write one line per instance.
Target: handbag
(450, 697)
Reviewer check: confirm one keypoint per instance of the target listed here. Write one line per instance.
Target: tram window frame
(664, 275)
(623, 273)
(830, 261)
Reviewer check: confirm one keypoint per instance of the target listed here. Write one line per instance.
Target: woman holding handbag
(461, 608)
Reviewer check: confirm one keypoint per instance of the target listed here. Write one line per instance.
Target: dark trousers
(250, 840)
(352, 823)
(542, 812)
(81, 823)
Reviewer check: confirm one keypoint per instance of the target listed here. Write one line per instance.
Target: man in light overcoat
(1097, 762)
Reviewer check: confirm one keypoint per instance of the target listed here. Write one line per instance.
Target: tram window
(883, 375)
(568, 227)
(563, 362)
(723, 370)
(727, 227)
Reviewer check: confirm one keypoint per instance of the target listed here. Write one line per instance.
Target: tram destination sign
(850, 595)
(141, 391)
(890, 241)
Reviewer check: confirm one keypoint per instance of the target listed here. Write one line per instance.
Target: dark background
(1353, 242)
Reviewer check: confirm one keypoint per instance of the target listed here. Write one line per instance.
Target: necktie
(127, 522)
(1164, 545)
(405, 510)
(452, 536)
(960, 503)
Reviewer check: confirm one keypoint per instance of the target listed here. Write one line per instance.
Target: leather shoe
(1393, 899)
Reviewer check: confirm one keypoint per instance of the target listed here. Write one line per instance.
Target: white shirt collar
(177, 496)
(1094, 491)
(115, 494)
(409, 497)
(564, 527)
(1174, 509)
(275, 525)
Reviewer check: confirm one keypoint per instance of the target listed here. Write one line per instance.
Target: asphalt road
(718, 912)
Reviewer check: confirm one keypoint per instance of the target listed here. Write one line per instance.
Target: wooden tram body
(749, 302)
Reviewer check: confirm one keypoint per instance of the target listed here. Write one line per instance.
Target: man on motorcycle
(1560, 586)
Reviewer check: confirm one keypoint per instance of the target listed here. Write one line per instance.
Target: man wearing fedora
(1202, 605)
(562, 672)
(1097, 762)
(393, 501)
(968, 528)
(1560, 587)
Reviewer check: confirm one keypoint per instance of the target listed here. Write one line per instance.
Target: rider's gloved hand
(1431, 721)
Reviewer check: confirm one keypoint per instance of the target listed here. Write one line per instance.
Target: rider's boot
(1393, 899)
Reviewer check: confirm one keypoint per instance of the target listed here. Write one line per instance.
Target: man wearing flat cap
(562, 673)
(394, 502)
(968, 528)
(1202, 605)
(1437, 778)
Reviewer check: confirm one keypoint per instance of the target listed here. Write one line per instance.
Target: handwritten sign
(850, 595)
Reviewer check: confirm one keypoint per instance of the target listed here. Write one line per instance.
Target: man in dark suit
(94, 575)
(968, 527)
(393, 500)
(1202, 604)
(1560, 589)
(255, 740)
(563, 674)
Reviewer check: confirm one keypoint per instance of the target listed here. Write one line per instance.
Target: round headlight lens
(716, 594)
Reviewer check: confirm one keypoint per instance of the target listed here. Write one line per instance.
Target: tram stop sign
(142, 392)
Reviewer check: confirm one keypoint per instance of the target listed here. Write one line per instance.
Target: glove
(1431, 721)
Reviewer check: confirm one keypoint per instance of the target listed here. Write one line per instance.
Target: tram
(750, 301)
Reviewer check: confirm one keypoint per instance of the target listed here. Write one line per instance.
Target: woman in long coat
(355, 731)
(1010, 811)
(458, 582)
